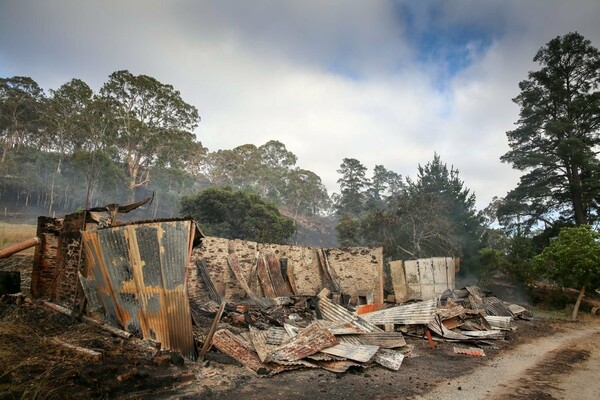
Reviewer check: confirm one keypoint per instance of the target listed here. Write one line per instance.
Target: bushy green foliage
(573, 259)
(238, 214)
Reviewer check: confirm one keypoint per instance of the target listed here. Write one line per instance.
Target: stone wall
(45, 264)
(58, 259)
(359, 271)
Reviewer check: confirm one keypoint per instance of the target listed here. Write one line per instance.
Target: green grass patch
(547, 313)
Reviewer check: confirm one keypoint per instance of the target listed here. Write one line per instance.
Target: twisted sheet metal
(410, 314)
(470, 351)
(355, 352)
(391, 359)
(502, 323)
(140, 272)
(308, 342)
(335, 312)
(495, 307)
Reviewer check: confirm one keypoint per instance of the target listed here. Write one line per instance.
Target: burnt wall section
(357, 270)
(45, 259)
(58, 259)
(70, 262)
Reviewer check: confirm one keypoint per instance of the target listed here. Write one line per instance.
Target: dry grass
(16, 233)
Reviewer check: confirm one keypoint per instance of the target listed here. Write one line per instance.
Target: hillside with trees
(73, 147)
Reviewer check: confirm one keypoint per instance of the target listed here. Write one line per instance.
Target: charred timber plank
(280, 286)
(208, 342)
(94, 355)
(265, 278)
(213, 294)
(237, 272)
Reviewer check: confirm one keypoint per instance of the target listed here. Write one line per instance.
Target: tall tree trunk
(576, 197)
(578, 302)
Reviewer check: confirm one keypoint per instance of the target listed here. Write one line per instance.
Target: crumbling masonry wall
(59, 259)
(358, 270)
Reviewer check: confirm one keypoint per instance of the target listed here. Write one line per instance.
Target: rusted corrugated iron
(264, 350)
(471, 351)
(356, 352)
(409, 314)
(235, 347)
(279, 284)
(452, 323)
(140, 274)
(367, 308)
(495, 307)
(308, 341)
(277, 336)
(264, 278)
(391, 359)
(335, 312)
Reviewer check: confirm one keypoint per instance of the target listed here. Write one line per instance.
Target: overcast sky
(385, 82)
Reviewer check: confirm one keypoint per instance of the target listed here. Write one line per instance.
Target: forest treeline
(73, 147)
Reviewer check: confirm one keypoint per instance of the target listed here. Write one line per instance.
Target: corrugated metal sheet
(335, 312)
(235, 347)
(391, 359)
(495, 307)
(265, 278)
(308, 341)
(264, 350)
(337, 366)
(279, 284)
(351, 339)
(277, 336)
(471, 351)
(140, 273)
(291, 330)
(520, 312)
(356, 352)
(422, 279)
(493, 334)
(340, 328)
(386, 340)
(499, 322)
(438, 328)
(409, 314)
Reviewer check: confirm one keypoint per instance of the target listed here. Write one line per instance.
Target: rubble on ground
(314, 332)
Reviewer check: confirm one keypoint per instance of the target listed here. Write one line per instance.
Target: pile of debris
(315, 332)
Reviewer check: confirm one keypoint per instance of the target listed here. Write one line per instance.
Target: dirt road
(563, 366)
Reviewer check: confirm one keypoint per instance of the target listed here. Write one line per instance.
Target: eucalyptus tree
(21, 100)
(152, 122)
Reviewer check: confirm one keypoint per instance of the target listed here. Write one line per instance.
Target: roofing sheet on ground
(416, 313)
(139, 272)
